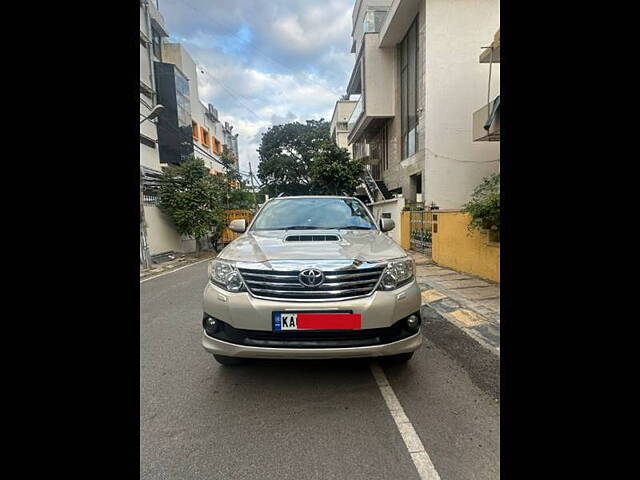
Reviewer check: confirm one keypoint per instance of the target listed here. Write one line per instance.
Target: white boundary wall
(394, 207)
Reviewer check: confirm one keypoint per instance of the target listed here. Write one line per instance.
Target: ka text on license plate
(316, 321)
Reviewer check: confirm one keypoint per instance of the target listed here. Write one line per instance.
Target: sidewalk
(470, 303)
(175, 261)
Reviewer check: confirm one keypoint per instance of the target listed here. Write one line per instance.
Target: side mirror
(238, 226)
(387, 224)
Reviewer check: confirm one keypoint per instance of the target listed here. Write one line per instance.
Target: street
(305, 419)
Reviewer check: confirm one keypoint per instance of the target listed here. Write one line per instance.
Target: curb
(472, 323)
(171, 270)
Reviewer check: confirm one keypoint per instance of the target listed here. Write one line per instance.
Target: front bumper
(381, 310)
(219, 347)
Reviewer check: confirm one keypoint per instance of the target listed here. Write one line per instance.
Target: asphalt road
(305, 419)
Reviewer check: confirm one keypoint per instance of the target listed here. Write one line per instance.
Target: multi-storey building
(418, 79)
(152, 32)
(185, 127)
(200, 132)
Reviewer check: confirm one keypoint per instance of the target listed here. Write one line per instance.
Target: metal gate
(420, 229)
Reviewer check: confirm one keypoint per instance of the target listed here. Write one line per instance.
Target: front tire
(229, 361)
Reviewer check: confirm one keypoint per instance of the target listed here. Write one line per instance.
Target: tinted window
(313, 213)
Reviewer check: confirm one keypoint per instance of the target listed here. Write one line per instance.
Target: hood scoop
(312, 238)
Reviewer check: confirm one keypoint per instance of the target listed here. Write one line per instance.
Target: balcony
(355, 115)
(397, 22)
(486, 122)
(157, 20)
(373, 79)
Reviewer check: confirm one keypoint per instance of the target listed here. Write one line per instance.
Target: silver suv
(312, 277)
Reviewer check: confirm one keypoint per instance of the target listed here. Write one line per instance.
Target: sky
(265, 62)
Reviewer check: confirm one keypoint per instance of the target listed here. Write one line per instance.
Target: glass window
(409, 91)
(156, 41)
(313, 214)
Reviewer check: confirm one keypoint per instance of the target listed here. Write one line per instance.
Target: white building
(339, 130)
(159, 232)
(151, 33)
(418, 77)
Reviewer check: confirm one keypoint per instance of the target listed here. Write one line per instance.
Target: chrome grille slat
(275, 277)
(353, 275)
(312, 292)
(339, 283)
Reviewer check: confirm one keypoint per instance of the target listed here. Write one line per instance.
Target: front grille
(284, 284)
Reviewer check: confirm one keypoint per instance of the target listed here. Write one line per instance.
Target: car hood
(262, 246)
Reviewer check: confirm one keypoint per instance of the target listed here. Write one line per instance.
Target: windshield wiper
(300, 227)
(354, 227)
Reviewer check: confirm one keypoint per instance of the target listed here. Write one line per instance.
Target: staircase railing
(371, 187)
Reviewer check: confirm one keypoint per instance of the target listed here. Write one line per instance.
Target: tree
(232, 180)
(484, 206)
(286, 152)
(192, 198)
(241, 199)
(333, 172)
(299, 159)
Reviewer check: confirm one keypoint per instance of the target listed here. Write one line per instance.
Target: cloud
(265, 62)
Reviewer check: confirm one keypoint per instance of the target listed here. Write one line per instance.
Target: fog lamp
(412, 322)
(211, 325)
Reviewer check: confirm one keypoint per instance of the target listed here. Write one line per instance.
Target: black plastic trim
(316, 338)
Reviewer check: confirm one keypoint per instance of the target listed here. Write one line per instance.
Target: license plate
(316, 321)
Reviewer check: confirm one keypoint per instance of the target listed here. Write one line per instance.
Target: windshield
(314, 214)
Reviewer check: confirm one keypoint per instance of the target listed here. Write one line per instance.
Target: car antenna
(282, 194)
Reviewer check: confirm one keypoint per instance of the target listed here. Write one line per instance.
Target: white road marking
(419, 455)
(175, 270)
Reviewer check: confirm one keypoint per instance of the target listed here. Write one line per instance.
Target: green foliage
(302, 159)
(192, 198)
(229, 161)
(240, 199)
(332, 171)
(484, 206)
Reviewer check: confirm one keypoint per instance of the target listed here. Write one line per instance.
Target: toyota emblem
(311, 277)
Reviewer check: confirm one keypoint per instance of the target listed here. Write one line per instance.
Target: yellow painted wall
(404, 230)
(454, 246)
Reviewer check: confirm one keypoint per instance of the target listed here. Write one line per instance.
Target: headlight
(399, 272)
(224, 274)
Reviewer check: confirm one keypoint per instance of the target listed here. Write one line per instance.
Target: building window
(217, 146)
(156, 42)
(194, 127)
(205, 136)
(360, 149)
(409, 90)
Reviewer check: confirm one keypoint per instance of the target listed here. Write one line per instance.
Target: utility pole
(255, 206)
